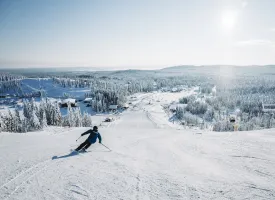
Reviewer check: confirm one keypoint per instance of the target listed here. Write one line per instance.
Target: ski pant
(84, 145)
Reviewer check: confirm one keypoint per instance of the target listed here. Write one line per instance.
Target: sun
(229, 19)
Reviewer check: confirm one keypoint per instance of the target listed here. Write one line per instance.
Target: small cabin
(66, 102)
(88, 100)
(109, 119)
(232, 118)
(268, 107)
(125, 106)
(113, 107)
(197, 89)
(174, 89)
(174, 107)
(19, 105)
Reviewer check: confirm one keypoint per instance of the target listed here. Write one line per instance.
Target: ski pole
(106, 146)
(78, 138)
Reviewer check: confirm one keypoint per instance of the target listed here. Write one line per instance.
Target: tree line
(9, 83)
(38, 115)
(243, 98)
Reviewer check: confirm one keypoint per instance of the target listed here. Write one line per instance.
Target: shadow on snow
(74, 153)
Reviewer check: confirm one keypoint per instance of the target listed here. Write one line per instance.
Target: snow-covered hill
(149, 160)
(51, 90)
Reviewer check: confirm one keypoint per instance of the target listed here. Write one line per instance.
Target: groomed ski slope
(149, 160)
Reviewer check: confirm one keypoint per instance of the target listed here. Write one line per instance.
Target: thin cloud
(273, 29)
(255, 43)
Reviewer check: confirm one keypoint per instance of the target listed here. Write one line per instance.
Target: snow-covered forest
(215, 101)
(9, 83)
(36, 116)
(241, 98)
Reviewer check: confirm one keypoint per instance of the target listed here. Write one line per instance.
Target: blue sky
(144, 33)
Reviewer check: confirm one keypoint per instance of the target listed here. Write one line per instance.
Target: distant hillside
(181, 67)
(184, 67)
(189, 70)
(221, 70)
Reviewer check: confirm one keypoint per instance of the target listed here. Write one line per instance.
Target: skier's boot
(83, 151)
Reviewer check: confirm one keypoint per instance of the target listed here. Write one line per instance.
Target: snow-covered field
(151, 158)
(52, 90)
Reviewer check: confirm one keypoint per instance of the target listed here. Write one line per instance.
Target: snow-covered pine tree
(77, 117)
(179, 113)
(65, 121)
(272, 122)
(8, 121)
(86, 120)
(34, 122)
(27, 109)
(18, 122)
(70, 114)
(2, 124)
(41, 110)
(99, 106)
(12, 122)
(50, 111)
(209, 115)
(25, 124)
(43, 120)
(34, 107)
(57, 115)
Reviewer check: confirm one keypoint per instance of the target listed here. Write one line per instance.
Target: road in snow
(150, 159)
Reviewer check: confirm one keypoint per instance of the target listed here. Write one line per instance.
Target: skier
(94, 134)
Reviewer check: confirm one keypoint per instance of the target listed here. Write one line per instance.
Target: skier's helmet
(95, 128)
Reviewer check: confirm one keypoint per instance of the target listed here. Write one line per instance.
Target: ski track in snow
(150, 159)
(16, 183)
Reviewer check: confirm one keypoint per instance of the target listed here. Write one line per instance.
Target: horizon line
(154, 67)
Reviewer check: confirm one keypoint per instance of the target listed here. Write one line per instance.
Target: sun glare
(229, 19)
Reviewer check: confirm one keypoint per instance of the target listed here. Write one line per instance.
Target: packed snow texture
(151, 158)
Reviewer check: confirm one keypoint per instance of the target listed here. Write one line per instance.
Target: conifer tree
(18, 122)
(70, 114)
(57, 120)
(25, 124)
(34, 122)
(11, 118)
(2, 124)
(77, 117)
(43, 120)
(86, 120)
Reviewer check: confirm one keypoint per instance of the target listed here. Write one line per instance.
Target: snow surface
(52, 90)
(151, 158)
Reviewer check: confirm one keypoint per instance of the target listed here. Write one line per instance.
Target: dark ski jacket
(93, 136)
